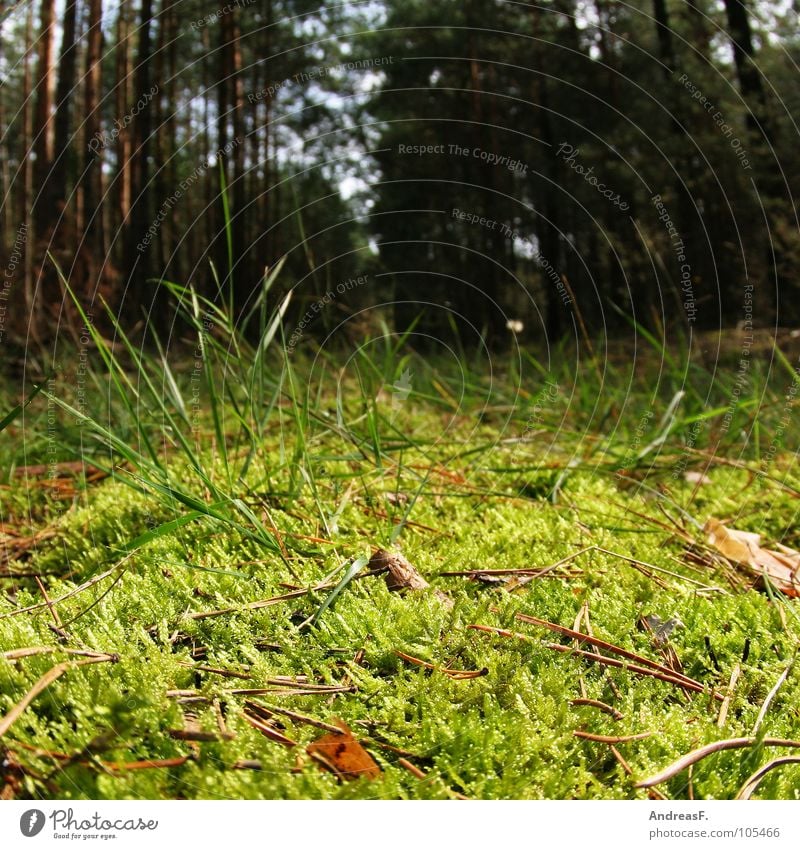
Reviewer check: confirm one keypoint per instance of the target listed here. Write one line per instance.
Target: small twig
(300, 690)
(198, 735)
(455, 674)
(770, 696)
(610, 647)
(46, 597)
(269, 731)
(44, 682)
(622, 762)
(18, 654)
(671, 678)
(749, 787)
(712, 748)
(414, 770)
(213, 670)
(257, 605)
(612, 711)
(293, 715)
(84, 586)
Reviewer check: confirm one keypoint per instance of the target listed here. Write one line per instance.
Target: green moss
(506, 734)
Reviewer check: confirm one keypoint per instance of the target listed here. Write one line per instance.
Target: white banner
(404, 825)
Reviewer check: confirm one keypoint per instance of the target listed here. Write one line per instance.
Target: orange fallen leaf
(340, 753)
(744, 548)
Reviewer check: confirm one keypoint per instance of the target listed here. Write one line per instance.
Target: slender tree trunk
(749, 77)
(769, 176)
(265, 205)
(161, 249)
(223, 259)
(140, 242)
(241, 282)
(210, 208)
(43, 126)
(549, 221)
(170, 128)
(666, 49)
(701, 35)
(31, 307)
(6, 225)
(607, 54)
(123, 141)
(93, 156)
(64, 167)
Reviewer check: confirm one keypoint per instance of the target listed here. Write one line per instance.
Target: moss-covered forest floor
(152, 653)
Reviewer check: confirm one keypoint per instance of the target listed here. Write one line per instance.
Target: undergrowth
(243, 473)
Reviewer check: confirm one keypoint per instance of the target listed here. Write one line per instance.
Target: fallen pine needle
(17, 654)
(257, 605)
(162, 764)
(622, 762)
(268, 731)
(749, 787)
(610, 647)
(612, 711)
(44, 682)
(770, 696)
(414, 770)
(712, 748)
(456, 674)
(668, 676)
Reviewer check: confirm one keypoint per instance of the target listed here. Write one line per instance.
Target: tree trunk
(769, 173)
(241, 282)
(123, 142)
(43, 127)
(93, 156)
(749, 77)
(140, 240)
(223, 253)
(666, 48)
(549, 226)
(64, 166)
(31, 308)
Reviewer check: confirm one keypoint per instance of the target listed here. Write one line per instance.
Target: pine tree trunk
(123, 141)
(63, 168)
(93, 157)
(140, 241)
(43, 126)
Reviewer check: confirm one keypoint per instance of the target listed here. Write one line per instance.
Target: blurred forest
(559, 163)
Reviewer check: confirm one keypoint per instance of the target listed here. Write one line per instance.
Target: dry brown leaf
(341, 754)
(744, 549)
(402, 575)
